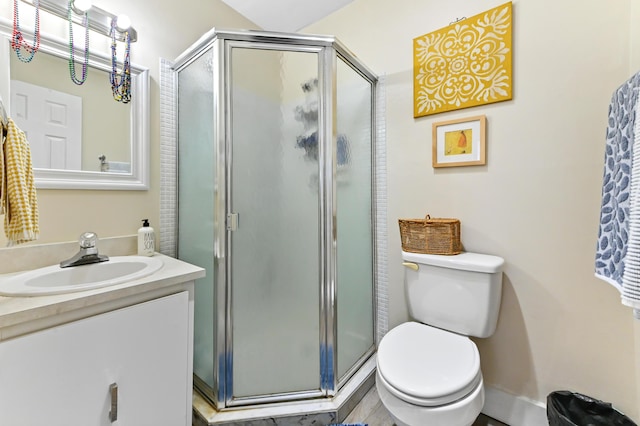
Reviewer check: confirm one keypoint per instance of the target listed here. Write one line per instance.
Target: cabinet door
(61, 376)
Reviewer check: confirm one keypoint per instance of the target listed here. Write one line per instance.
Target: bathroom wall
(165, 29)
(536, 202)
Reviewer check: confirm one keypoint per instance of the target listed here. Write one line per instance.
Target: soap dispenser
(146, 239)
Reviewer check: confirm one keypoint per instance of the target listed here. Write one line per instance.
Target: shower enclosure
(275, 199)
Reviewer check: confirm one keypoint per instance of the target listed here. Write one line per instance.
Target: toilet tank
(459, 293)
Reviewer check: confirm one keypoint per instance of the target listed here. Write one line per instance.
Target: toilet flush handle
(410, 265)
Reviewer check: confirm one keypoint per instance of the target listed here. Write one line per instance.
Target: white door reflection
(52, 121)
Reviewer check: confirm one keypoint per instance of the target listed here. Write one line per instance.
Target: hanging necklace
(120, 82)
(18, 42)
(72, 49)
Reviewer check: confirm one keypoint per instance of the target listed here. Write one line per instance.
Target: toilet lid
(428, 366)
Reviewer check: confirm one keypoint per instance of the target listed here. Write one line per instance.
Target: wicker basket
(430, 236)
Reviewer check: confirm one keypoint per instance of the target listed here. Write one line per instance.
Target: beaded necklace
(18, 42)
(72, 49)
(120, 82)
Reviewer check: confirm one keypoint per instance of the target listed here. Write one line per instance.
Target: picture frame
(465, 64)
(459, 142)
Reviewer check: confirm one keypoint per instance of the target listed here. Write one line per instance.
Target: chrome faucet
(88, 252)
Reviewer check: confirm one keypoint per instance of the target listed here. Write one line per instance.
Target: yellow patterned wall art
(465, 64)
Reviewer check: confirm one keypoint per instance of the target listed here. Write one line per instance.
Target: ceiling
(285, 15)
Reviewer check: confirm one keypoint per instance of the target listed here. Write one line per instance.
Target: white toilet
(428, 371)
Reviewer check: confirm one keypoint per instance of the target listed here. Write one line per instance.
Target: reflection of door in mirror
(105, 124)
(49, 120)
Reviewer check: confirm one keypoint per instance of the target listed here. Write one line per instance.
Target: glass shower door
(274, 271)
(354, 193)
(196, 195)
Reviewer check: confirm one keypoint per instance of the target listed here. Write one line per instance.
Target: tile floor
(371, 411)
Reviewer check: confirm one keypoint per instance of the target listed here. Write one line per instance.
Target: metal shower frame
(329, 51)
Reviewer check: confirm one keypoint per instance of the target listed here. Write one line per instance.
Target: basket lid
(440, 220)
(430, 219)
(465, 261)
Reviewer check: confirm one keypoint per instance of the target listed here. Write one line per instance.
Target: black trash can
(566, 408)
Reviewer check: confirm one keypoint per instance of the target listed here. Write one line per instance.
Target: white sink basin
(57, 280)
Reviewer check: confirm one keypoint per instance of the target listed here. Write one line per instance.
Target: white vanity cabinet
(135, 358)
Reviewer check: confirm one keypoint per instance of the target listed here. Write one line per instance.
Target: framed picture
(459, 142)
(465, 64)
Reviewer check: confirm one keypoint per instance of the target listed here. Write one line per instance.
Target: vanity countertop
(17, 310)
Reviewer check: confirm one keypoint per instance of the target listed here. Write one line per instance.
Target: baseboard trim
(514, 410)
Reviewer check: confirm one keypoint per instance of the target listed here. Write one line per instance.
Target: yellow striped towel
(3, 181)
(18, 195)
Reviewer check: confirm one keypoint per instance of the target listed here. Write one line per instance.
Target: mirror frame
(138, 179)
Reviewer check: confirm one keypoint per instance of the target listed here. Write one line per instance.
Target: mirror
(106, 143)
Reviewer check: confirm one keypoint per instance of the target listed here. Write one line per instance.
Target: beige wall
(165, 29)
(536, 202)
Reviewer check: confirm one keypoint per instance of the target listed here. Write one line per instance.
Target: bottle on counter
(146, 239)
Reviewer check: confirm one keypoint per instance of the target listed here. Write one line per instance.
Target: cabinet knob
(113, 392)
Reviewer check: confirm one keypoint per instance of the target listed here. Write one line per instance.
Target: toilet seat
(427, 366)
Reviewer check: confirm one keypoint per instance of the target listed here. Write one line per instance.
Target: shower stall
(276, 200)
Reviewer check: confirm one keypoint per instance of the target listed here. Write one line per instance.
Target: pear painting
(458, 142)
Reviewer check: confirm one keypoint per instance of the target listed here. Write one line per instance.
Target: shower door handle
(232, 221)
